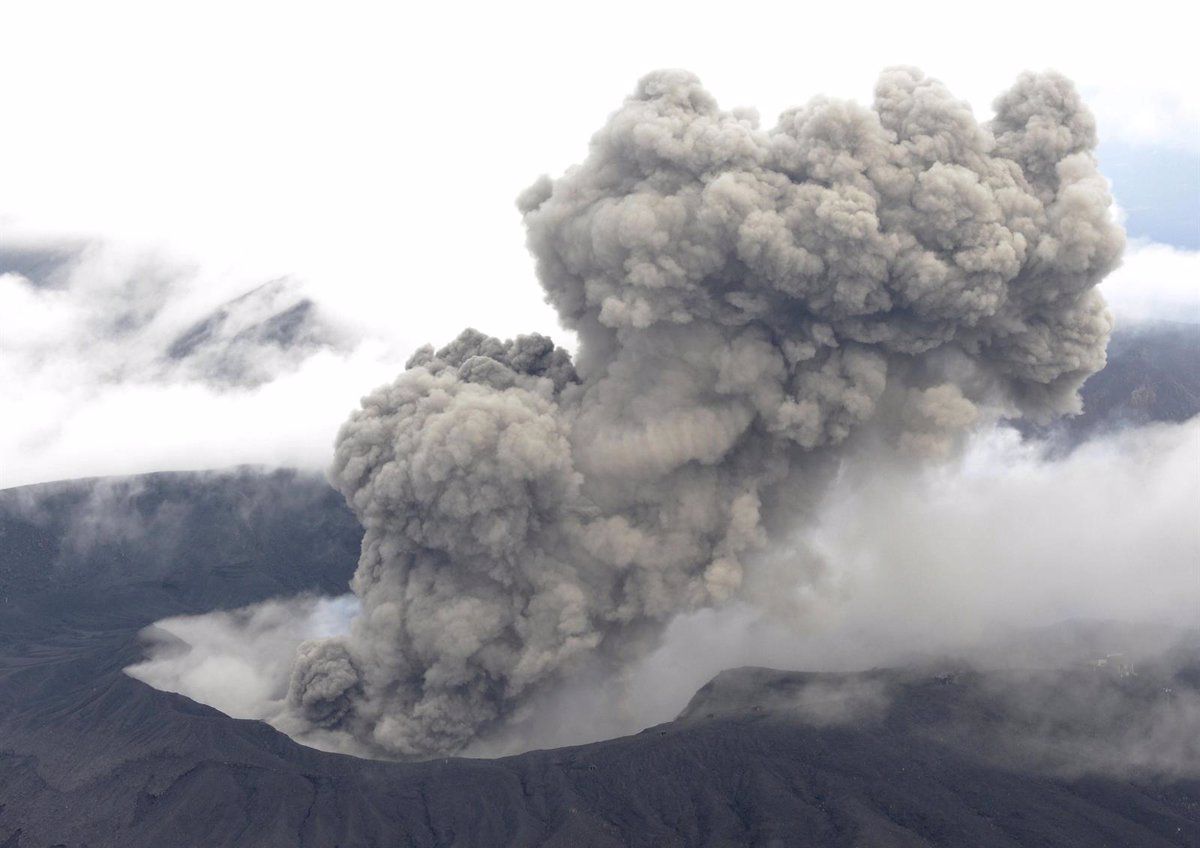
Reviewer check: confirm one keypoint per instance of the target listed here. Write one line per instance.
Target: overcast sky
(373, 152)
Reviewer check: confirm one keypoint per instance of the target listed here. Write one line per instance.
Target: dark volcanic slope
(90, 757)
(165, 544)
(1153, 374)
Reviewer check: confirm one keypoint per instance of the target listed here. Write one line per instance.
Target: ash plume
(746, 302)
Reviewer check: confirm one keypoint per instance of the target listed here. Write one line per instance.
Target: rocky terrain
(1153, 374)
(937, 754)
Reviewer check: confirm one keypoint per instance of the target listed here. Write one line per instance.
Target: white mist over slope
(84, 402)
(231, 659)
(937, 561)
(121, 359)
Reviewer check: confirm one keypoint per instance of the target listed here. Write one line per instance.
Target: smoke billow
(748, 303)
(230, 659)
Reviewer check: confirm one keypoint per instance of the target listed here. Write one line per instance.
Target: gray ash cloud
(746, 301)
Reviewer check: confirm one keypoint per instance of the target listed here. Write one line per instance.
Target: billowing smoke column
(744, 301)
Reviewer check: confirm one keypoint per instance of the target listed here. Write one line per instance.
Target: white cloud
(1155, 282)
(342, 147)
(1145, 113)
(362, 151)
(89, 387)
(60, 431)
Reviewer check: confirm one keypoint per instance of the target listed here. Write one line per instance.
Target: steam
(751, 307)
(233, 657)
(985, 560)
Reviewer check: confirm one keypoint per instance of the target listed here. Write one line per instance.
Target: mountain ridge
(934, 754)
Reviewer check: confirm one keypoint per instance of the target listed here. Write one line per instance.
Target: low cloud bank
(231, 660)
(1156, 282)
(118, 359)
